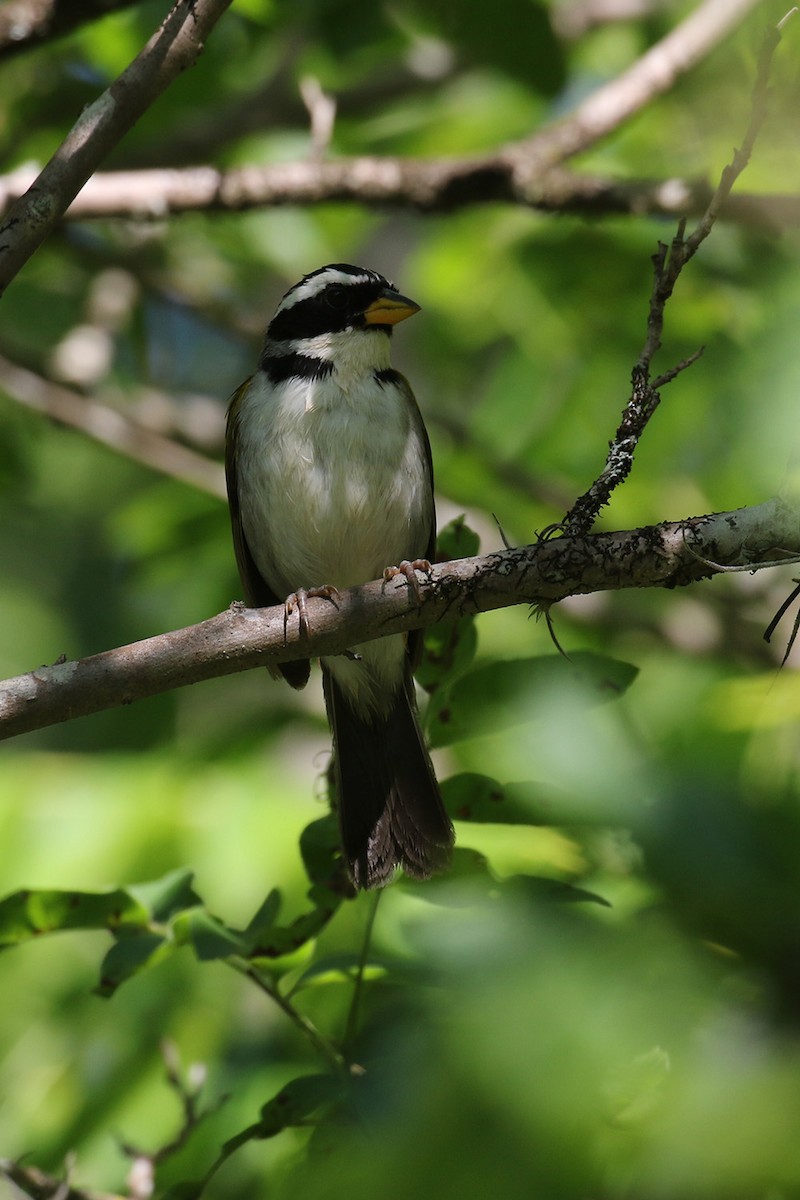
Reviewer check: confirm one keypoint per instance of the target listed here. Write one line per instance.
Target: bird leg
(297, 600)
(409, 572)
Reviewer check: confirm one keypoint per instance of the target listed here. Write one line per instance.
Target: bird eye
(336, 295)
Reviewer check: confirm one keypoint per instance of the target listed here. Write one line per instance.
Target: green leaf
(273, 942)
(322, 859)
(167, 896)
(456, 540)
(130, 956)
(501, 695)
(258, 930)
(207, 935)
(298, 1101)
(295, 1104)
(468, 866)
(308, 925)
(472, 797)
(449, 649)
(336, 968)
(540, 887)
(29, 914)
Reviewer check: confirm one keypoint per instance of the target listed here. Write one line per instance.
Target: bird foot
(409, 572)
(298, 600)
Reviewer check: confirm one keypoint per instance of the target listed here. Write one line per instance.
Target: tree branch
(650, 76)
(111, 428)
(574, 19)
(27, 23)
(38, 1186)
(174, 47)
(666, 555)
(430, 185)
(668, 262)
(527, 172)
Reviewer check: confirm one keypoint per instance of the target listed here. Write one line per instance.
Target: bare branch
(187, 1088)
(650, 76)
(432, 185)
(39, 1186)
(664, 555)
(174, 47)
(112, 428)
(27, 23)
(668, 262)
(321, 109)
(572, 20)
(526, 172)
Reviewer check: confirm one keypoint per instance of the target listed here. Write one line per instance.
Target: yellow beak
(389, 308)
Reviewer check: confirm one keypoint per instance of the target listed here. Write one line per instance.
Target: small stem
(318, 1040)
(358, 985)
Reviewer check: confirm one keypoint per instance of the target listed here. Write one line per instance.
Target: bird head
(337, 299)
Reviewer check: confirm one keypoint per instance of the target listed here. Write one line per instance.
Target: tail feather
(390, 810)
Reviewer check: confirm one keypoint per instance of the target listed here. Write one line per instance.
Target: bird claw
(298, 600)
(409, 572)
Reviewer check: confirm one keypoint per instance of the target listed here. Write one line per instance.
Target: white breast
(337, 480)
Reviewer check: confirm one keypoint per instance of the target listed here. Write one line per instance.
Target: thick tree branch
(528, 172)
(430, 185)
(174, 47)
(667, 555)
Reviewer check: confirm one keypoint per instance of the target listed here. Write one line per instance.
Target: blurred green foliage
(517, 1038)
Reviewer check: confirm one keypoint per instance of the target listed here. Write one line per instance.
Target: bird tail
(390, 810)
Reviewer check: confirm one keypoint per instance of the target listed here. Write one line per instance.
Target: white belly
(338, 484)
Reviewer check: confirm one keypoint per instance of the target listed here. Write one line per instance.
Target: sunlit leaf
(165, 897)
(130, 956)
(29, 914)
(337, 969)
(209, 937)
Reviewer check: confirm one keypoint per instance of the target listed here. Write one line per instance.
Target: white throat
(355, 353)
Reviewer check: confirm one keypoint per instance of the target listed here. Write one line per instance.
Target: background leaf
(503, 694)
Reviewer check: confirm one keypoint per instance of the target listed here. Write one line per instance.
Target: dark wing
(415, 637)
(257, 593)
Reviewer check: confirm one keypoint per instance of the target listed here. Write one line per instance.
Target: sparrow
(330, 484)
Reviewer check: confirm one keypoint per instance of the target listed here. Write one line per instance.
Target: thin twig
(351, 1025)
(40, 1186)
(309, 1030)
(790, 599)
(668, 263)
(141, 1177)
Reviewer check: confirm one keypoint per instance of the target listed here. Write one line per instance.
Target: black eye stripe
(317, 314)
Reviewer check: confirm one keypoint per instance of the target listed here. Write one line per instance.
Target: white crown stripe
(314, 284)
